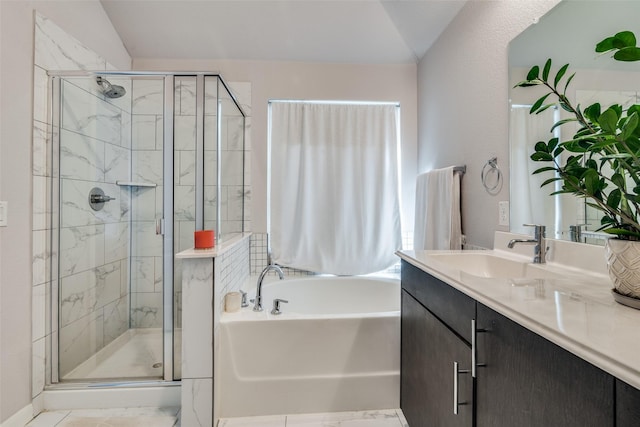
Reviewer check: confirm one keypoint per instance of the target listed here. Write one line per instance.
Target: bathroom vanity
(523, 345)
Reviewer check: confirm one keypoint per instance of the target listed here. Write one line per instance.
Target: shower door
(136, 169)
(113, 180)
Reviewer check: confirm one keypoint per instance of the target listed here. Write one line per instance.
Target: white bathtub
(335, 347)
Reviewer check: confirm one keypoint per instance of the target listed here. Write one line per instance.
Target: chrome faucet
(540, 250)
(243, 302)
(258, 301)
(575, 232)
(276, 306)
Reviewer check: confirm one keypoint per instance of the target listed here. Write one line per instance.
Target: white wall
(463, 84)
(298, 80)
(88, 22)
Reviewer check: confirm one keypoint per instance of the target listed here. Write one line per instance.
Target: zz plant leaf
(601, 160)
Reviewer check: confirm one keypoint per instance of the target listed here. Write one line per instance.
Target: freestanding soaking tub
(335, 347)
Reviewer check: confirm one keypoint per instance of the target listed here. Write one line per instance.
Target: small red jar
(204, 239)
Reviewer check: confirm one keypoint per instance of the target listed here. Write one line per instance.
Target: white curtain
(334, 187)
(530, 204)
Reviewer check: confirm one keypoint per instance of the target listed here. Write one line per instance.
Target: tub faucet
(244, 302)
(276, 306)
(540, 250)
(258, 301)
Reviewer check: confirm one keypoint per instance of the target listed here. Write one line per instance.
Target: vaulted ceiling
(354, 31)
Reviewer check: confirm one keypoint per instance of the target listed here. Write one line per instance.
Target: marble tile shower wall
(231, 186)
(234, 186)
(185, 170)
(147, 123)
(56, 50)
(93, 262)
(147, 149)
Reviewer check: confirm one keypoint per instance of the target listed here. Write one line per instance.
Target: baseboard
(112, 397)
(20, 418)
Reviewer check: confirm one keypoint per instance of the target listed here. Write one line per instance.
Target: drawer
(451, 306)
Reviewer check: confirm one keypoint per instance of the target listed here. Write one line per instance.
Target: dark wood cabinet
(522, 378)
(530, 382)
(627, 405)
(448, 304)
(433, 360)
(436, 332)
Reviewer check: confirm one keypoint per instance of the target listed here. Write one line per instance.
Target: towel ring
(491, 176)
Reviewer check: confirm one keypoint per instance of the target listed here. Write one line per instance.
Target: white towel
(437, 219)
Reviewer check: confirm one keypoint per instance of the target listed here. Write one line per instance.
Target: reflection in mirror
(567, 34)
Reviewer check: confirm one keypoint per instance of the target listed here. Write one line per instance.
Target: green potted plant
(600, 163)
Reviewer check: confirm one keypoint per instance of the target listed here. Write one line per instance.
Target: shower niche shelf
(135, 184)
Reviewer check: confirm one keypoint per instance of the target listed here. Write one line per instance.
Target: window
(333, 186)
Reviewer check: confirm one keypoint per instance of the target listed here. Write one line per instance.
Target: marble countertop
(216, 251)
(576, 312)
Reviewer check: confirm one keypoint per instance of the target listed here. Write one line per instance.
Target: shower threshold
(136, 354)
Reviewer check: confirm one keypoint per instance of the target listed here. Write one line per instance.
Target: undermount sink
(492, 266)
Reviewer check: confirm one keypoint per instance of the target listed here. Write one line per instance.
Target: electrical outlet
(503, 213)
(4, 206)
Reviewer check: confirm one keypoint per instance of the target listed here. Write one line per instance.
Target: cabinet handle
(474, 349)
(457, 372)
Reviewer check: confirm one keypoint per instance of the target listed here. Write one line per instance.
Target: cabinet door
(429, 350)
(448, 304)
(627, 405)
(530, 382)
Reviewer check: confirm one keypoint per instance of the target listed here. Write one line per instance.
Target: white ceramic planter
(623, 260)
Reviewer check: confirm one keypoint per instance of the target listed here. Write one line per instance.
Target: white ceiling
(354, 31)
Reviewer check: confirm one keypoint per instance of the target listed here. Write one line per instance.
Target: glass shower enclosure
(139, 162)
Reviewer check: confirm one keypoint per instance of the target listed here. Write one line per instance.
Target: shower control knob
(97, 198)
(101, 199)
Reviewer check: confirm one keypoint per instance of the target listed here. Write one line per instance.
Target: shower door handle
(160, 226)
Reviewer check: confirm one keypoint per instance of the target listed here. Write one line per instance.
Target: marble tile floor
(380, 418)
(122, 417)
(170, 417)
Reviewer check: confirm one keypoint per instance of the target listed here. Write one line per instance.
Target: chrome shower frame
(55, 203)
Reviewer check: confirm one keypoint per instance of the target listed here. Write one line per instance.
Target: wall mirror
(567, 34)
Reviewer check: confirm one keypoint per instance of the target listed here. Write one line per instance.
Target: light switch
(503, 213)
(4, 214)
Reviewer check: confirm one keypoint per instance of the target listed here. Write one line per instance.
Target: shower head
(109, 90)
